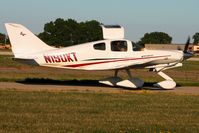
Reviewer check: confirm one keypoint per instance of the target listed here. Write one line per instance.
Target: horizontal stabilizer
(26, 61)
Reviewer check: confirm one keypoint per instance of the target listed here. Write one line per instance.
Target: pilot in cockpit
(119, 46)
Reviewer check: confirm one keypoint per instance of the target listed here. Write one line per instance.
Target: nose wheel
(168, 83)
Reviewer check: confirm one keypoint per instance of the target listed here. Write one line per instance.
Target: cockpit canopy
(117, 46)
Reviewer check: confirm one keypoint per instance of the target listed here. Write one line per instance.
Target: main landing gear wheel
(128, 83)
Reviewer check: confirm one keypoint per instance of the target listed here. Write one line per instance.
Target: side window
(119, 46)
(100, 46)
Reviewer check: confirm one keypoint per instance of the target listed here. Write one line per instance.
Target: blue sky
(178, 18)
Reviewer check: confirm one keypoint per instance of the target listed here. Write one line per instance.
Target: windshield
(136, 47)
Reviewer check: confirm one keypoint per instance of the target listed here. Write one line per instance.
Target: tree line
(70, 32)
(4, 39)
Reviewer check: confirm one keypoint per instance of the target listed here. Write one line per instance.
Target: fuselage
(101, 55)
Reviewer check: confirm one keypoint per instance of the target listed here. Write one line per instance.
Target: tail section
(24, 42)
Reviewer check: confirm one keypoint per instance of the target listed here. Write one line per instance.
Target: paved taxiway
(102, 89)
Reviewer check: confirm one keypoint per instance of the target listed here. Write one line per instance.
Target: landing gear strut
(133, 82)
(117, 81)
(169, 83)
(111, 81)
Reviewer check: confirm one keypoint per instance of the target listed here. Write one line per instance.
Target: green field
(91, 112)
(95, 112)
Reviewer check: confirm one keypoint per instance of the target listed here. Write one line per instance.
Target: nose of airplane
(187, 55)
(180, 55)
(177, 55)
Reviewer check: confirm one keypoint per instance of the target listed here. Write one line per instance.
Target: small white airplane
(112, 53)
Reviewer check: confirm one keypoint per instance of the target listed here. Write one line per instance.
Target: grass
(95, 112)
(88, 112)
(188, 75)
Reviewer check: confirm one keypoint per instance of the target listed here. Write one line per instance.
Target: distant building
(192, 48)
(196, 48)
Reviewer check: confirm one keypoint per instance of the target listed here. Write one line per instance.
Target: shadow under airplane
(84, 82)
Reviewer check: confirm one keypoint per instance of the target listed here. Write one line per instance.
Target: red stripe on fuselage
(101, 62)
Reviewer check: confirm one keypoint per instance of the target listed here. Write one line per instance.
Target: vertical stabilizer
(24, 42)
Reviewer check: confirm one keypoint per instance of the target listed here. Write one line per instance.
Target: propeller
(187, 45)
(186, 53)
